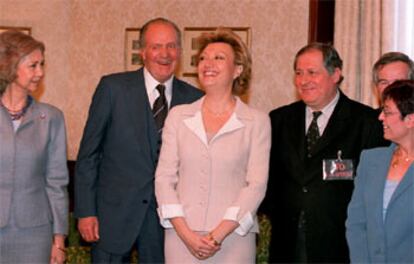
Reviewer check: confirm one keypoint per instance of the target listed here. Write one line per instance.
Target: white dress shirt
(151, 84)
(324, 117)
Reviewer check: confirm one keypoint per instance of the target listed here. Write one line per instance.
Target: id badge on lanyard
(338, 169)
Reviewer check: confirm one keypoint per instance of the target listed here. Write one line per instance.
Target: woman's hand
(199, 246)
(58, 251)
(225, 228)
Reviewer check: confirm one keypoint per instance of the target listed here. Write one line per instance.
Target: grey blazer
(33, 170)
(370, 239)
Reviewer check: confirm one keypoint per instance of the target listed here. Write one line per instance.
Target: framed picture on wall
(191, 45)
(132, 59)
(25, 30)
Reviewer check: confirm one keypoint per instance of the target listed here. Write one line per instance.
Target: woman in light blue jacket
(33, 171)
(380, 224)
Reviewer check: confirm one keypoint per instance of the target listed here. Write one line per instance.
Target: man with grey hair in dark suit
(316, 143)
(114, 180)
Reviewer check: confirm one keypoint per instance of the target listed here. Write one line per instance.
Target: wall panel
(85, 39)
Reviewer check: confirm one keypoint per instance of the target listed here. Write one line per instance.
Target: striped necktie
(160, 108)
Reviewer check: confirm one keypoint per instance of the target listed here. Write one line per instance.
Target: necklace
(398, 158)
(221, 113)
(17, 114)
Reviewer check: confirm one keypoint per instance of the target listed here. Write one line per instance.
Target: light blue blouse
(389, 189)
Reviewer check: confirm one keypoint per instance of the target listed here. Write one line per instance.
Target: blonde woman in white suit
(33, 171)
(213, 167)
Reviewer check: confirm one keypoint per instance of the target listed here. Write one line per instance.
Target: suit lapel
(178, 95)
(7, 139)
(141, 115)
(404, 185)
(31, 114)
(379, 176)
(195, 120)
(5, 123)
(136, 98)
(297, 131)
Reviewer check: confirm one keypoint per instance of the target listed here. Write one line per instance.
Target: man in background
(390, 67)
(316, 143)
(114, 180)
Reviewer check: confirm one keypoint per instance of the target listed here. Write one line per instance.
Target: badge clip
(339, 154)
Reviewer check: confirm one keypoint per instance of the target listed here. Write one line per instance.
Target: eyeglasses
(388, 113)
(384, 82)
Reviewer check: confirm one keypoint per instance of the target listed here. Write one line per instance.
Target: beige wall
(85, 39)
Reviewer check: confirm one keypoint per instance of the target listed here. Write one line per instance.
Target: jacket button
(304, 189)
(144, 201)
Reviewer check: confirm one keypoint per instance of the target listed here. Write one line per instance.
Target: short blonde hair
(14, 46)
(242, 55)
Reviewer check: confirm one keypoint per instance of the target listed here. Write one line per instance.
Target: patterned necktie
(313, 133)
(160, 108)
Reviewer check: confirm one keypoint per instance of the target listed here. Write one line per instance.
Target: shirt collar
(327, 110)
(151, 83)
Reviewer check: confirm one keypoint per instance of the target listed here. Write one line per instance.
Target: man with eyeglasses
(390, 67)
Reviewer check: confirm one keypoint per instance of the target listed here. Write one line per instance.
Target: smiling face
(161, 51)
(29, 72)
(390, 73)
(396, 129)
(216, 67)
(314, 84)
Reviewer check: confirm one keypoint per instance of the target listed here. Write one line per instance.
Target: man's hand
(89, 228)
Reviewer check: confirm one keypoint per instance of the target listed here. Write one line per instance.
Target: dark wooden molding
(321, 21)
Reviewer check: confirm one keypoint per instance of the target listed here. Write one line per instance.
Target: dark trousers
(148, 245)
(101, 256)
(300, 251)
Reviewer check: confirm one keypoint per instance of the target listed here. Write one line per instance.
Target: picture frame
(190, 45)
(133, 60)
(25, 30)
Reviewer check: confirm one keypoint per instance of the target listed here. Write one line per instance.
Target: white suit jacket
(207, 182)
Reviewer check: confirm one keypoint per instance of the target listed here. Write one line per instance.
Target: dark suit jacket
(118, 156)
(295, 181)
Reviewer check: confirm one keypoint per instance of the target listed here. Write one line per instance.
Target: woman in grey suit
(213, 166)
(33, 172)
(380, 224)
